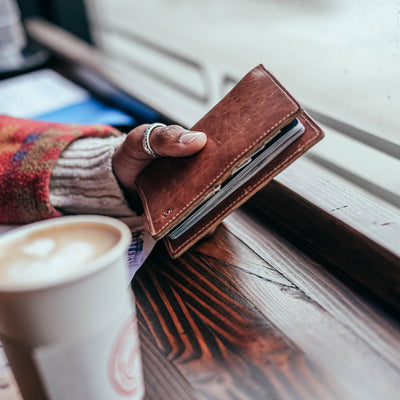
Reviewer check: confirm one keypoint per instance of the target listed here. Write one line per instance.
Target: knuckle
(159, 135)
(175, 131)
(168, 134)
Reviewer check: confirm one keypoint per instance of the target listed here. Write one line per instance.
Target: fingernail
(190, 136)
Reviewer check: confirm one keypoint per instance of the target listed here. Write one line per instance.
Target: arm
(98, 175)
(34, 155)
(28, 152)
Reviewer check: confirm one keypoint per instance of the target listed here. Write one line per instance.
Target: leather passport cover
(250, 114)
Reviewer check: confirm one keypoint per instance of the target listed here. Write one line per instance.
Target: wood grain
(345, 351)
(232, 320)
(341, 230)
(162, 379)
(222, 344)
(351, 307)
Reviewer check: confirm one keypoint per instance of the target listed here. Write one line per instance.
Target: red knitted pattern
(28, 152)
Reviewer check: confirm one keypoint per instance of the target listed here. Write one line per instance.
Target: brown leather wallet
(255, 112)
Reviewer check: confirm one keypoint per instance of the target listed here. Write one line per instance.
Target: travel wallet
(254, 112)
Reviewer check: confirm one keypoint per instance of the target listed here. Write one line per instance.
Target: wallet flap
(255, 109)
(311, 136)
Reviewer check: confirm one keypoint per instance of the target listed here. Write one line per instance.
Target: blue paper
(90, 111)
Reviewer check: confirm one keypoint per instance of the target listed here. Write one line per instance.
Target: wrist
(82, 181)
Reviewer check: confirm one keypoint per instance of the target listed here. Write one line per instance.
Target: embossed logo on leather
(167, 212)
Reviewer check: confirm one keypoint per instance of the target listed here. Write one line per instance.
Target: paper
(46, 95)
(141, 245)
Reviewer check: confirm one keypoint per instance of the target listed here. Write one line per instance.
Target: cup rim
(91, 267)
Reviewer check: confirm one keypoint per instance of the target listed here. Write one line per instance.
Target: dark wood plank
(162, 379)
(342, 230)
(349, 307)
(215, 336)
(343, 351)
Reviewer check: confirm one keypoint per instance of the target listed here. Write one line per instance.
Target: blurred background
(339, 58)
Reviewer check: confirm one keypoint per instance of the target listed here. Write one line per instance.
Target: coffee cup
(67, 317)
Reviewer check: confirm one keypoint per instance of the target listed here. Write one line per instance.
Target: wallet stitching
(246, 193)
(282, 89)
(144, 199)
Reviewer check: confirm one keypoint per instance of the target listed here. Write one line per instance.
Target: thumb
(175, 141)
(167, 141)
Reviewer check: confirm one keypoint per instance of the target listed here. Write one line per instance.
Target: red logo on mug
(124, 367)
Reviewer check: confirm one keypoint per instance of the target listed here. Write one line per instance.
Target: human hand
(167, 141)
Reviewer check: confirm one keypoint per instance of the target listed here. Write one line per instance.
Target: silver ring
(146, 140)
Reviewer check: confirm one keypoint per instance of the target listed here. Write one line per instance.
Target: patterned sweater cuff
(82, 180)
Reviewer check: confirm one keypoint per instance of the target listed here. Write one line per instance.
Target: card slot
(309, 138)
(260, 159)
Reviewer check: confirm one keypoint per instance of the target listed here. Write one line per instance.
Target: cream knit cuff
(82, 180)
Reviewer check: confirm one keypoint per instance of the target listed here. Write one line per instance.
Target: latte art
(51, 254)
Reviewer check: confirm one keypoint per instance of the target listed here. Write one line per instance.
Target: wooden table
(247, 315)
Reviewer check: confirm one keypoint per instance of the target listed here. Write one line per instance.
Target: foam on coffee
(54, 253)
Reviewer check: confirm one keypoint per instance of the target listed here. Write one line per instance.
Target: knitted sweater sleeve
(82, 180)
(28, 153)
